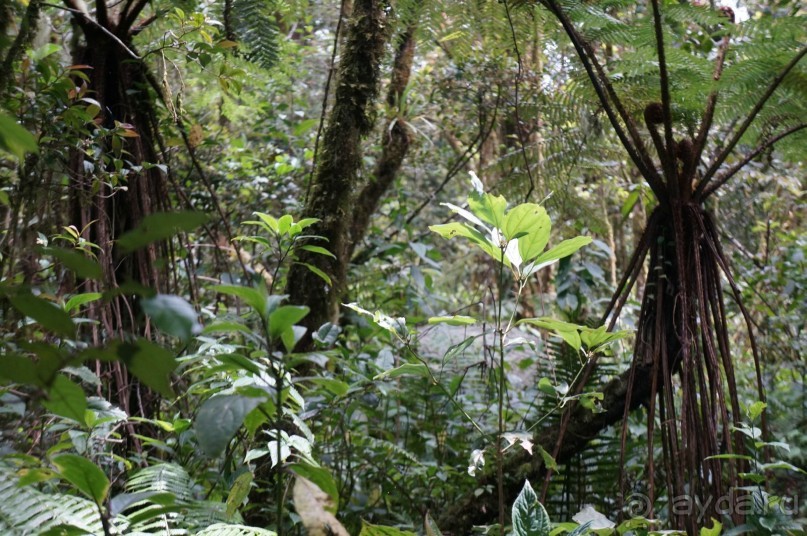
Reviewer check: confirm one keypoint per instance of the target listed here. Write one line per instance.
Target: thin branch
(610, 102)
(130, 16)
(711, 101)
(516, 107)
(748, 120)
(84, 19)
(322, 114)
(726, 175)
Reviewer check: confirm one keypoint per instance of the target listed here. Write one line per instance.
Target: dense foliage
(414, 267)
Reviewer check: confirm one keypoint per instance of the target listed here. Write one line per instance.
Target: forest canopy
(393, 267)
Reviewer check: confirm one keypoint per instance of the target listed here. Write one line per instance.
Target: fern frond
(255, 26)
(223, 529)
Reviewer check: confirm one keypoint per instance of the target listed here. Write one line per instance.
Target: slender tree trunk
(337, 174)
(396, 139)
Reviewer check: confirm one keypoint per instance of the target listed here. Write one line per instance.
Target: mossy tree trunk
(331, 198)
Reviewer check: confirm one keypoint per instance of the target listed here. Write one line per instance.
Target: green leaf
(529, 516)
(430, 526)
(48, 315)
(316, 271)
(14, 138)
(251, 296)
(285, 317)
(80, 299)
(219, 419)
(173, 315)
(20, 369)
(450, 230)
(318, 249)
(326, 334)
(488, 208)
(64, 529)
(564, 249)
(546, 387)
(549, 461)
(407, 369)
(66, 399)
(151, 364)
(566, 331)
(160, 226)
(87, 477)
(377, 530)
(322, 478)
(531, 224)
(455, 320)
(337, 387)
(76, 262)
(238, 492)
(755, 410)
(717, 527)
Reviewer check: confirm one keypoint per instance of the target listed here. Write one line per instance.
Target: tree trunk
(337, 174)
(396, 139)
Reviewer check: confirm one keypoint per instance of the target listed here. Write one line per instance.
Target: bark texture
(337, 174)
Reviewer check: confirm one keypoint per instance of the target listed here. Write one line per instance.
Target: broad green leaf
(531, 224)
(48, 315)
(455, 320)
(529, 516)
(76, 262)
(268, 220)
(566, 331)
(80, 299)
(284, 223)
(546, 387)
(20, 369)
(173, 315)
(489, 208)
(377, 530)
(450, 230)
(251, 296)
(151, 364)
(322, 478)
(564, 249)
(407, 369)
(87, 477)
(219, 419)
(14, 138)
(318, 249)
(596, 338)
(239, 361)
(160, 226)
(238, 492)
(284, 317)
(66, 399)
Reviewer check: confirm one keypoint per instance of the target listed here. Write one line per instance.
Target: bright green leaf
(455, 320)
(528, 514)
(238, 492)
(87, 477)
(407, 369)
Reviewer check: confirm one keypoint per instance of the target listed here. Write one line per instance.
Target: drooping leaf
(152, 364)
(173, 315)
(251, 296)
(14, 138)
(238, 492)
(66, 398)
(76, 262)
(48, 315)
(80, 299)
(407, 369)
(219, 419)
(160, 226)
(87, 477)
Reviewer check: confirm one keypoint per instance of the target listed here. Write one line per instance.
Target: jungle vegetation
(390, 267)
